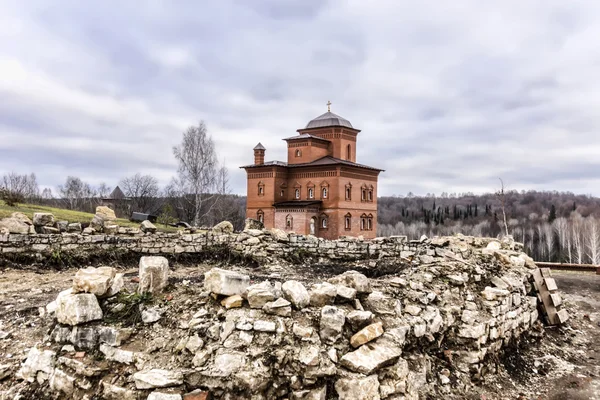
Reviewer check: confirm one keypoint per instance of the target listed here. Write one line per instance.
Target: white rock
(296, 293)
(494, 245)
(265, 326)
(354, 280)
(228, 283)
(157, 378)
(37, 361)
(154, 274)
(14, 225)
(43, 219)
(147, 226)
(224, 227)
(93, 280)
(309, 355)
(151, 315)
(358, 319)
(345, 293)
(331, 324)
(355, 388)
(118, 355)
(164, 396)
(106, 213)
(370, 357)
(74, 309)
(322, 294)
(280, 307)
(381, 304)
(112, 392)
(226, 364)
(61, 382)
(260, 294)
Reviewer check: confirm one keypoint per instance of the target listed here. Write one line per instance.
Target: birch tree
(593, 239)
(197, 172)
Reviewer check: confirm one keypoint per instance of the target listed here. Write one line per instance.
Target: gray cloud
(449, 96)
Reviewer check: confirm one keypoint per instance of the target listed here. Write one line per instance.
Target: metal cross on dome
(328, 106)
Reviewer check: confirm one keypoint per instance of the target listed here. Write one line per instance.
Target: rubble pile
(430, 329)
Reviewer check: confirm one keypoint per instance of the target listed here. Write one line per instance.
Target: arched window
(348, 221)
(363, 222)
(260, 216)
(261, 188)
(297, 193)
(370, 194)
(324, 192)
(289, 222)
(323, 221)
(282, 193)
(298, 153)
(370, 222)
(349, 191)
(311, 193)
(349, 152)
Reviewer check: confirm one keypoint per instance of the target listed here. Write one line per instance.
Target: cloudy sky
(449, 95)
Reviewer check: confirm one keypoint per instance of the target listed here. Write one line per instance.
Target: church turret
(259, 154)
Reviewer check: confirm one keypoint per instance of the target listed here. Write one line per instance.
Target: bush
(11, 198)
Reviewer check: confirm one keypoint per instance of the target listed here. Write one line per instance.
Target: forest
(553, 226)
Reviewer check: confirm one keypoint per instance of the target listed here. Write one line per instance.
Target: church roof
(117, 193)
(327, 160)
(328, 119)
(306, 136)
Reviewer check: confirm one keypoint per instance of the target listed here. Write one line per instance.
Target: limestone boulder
(251, 223)
(113, 392)
(234, 301)
(358, 319)
(296, 293)
(260, 294)
(94, 280)
(358, 388)
(370, 357)
(75, 309)
(366, 334)
(353, 279)
(61, 225)
(43, 219)
(224, 282)
(14, 225)
(164, 396)
(331, 323)
(224, 227)
(37, 361)
(97, 223)
(74, 227)
(279, 235)
(21, 217)
(154, 274)
(147, 227)
(157, 378)
(280, 307)
(322, 294)
(106, 213)
(382, 304)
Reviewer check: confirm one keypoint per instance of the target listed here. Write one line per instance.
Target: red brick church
(321, 190)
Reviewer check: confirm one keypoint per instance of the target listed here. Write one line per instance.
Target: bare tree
(561, 226)
(577, 228)
(76, 193)
(142, 190)
(47, 194)
(197, 177)
(501, 195)
(102, 191)
(24, 186)
(593, 239)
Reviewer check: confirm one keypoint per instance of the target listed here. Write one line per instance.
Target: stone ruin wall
(259, 245)
(432, 327)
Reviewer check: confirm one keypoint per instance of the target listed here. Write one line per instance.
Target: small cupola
(259, 154)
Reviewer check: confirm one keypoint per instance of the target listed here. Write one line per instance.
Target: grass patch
(126, 310)
(61, 214)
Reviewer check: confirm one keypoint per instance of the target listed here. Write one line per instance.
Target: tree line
(553, 226)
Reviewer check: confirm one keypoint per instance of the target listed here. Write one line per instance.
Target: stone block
(358, 388)
(227, 283)
(366, 334)
(154, 274)
(74, 309)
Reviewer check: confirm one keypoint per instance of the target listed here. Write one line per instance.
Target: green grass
(61, 214)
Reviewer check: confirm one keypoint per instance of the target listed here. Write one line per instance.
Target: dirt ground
(565, 364)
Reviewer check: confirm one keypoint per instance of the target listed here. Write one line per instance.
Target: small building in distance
(321, 190)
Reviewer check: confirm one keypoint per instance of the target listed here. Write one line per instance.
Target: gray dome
(328, 119)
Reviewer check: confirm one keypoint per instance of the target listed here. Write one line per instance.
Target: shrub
(11, 198)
